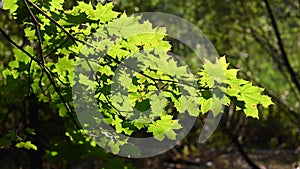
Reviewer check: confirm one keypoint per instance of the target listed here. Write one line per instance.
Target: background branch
(281, 47)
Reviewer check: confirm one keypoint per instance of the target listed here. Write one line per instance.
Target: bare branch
(282, 49)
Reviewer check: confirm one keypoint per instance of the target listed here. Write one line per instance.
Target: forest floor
(264, 159)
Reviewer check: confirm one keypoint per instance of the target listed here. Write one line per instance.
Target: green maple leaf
(265, 101)
(22, 57)
(217, 72)
(62, 110)
(10, 5)
(115, 148)
(158, 104)
(124, 79)
(214, 104)
(214, 72)
(106, 70)
(13, 64)
(118, 51)
(217, 105)
(28, 145)
(105, 12)
(141, 122)
(56, 5)
(251, 95)
(117, 122)
(83, 79)
(169, 65)
(123, 104)
(64, 64)
(164, 128)
(30, 33)
(127, 26)
(187, 104)
(251, 111)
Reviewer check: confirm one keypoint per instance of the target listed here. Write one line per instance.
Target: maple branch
(57, 90)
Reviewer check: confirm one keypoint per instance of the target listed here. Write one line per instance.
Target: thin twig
(56, 76)
(29, 78)
(57, 90)
(37, 28)
(41, 85)
(56, 48)
(42, 65)
(118, 111)
(142, 73)
(17, 46)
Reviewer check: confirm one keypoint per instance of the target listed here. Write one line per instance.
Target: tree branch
(57, 90)
(281, 47)
(37, 28)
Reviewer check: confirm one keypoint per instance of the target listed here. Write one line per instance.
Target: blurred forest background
(260, 37)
